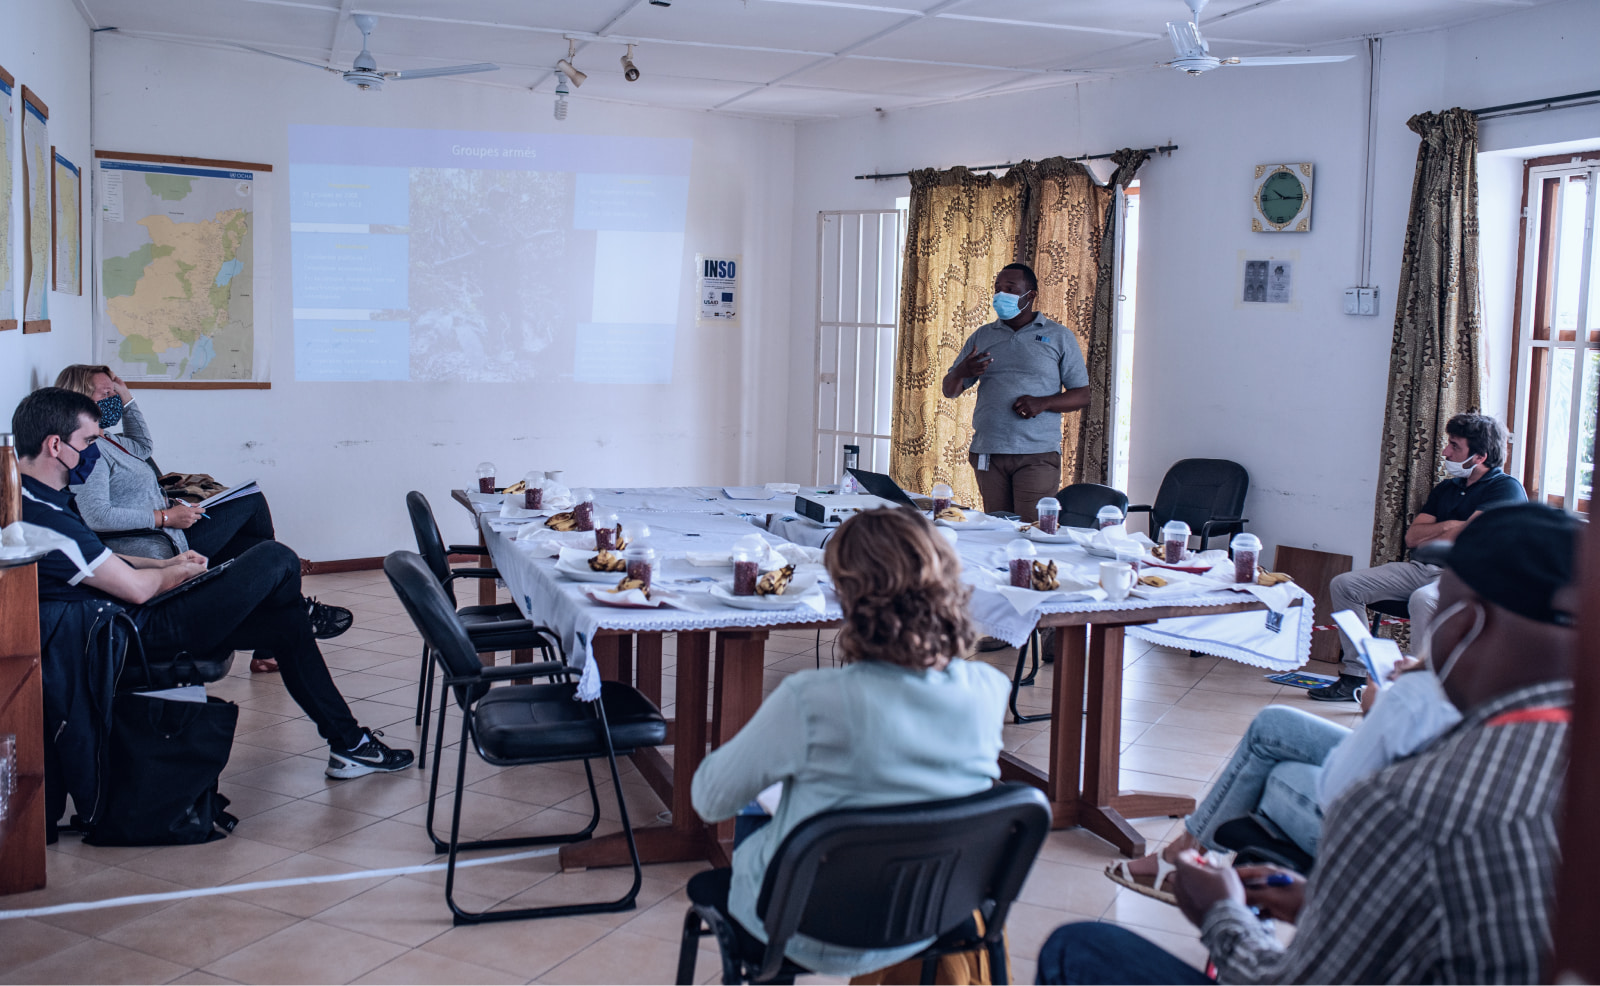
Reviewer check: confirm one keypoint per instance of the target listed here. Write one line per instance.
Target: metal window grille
(858, 303)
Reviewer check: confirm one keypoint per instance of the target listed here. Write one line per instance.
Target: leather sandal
(1119, 873)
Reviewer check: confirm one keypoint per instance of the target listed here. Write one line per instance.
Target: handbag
(161, 769)
(189, 487)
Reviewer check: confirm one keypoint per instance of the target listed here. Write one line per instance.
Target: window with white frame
(1557, 373)
(1122, 350)
(858, 302)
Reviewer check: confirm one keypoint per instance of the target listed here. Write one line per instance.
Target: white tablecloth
(686, 519)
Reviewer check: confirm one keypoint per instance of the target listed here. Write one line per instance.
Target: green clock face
(1281, 197)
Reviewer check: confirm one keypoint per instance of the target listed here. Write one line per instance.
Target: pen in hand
(1271, 880)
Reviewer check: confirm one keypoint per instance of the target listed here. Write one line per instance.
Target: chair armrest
(505, 672)
(474, 573)
(467, 549)
(1140, 507)
(1216, 522)
(1143, 508)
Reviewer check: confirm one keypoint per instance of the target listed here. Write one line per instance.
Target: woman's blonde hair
(899, 582)
(79, 377)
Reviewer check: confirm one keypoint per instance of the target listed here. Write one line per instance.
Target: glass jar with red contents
(605, 533)
(533, 490)
(1246, 552)
(1049, 510)
(1175, 538)
(583, 509)
(1108, 516)
(486, 473)
(641, 560)
(1019, 559)
(943, 496)
(746, 571)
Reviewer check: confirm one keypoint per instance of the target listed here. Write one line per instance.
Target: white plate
(587, 574)
(792, 596)
(1034, 534)
(977, 521)
(1186, 587)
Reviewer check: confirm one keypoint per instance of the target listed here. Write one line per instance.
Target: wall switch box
(1351, 305)
(1368, 300)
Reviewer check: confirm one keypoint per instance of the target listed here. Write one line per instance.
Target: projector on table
(836, 508)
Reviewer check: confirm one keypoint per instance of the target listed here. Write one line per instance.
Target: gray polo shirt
(1040, 359)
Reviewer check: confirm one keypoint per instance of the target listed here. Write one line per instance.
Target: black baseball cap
(1517, 557)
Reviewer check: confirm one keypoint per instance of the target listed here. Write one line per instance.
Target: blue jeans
(1275, 768)
(1092, 952)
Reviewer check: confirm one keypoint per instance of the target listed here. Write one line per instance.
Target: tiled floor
(1181, 718)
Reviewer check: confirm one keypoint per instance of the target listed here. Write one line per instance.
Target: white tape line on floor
(239, 888)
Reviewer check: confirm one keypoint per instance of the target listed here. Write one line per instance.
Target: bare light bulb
(561, 108)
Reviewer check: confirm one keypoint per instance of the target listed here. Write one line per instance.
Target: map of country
(174, 292)
(8, 309)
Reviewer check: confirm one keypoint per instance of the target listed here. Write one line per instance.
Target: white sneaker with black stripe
(370, 757)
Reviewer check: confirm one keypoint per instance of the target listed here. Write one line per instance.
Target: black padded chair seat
(496, 613)
(543, 722)
(186, 669)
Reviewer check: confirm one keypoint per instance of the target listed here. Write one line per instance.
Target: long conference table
(720, 656)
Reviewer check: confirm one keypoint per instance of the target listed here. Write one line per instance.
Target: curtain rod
(1541, 104)
(1164, 149)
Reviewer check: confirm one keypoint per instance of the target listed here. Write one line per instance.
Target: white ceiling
(793, 59)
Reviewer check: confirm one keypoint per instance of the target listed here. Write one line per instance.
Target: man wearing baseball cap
(1440, 867)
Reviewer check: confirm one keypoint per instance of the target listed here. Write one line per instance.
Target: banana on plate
(952, 514)
(774, 582)
(1044, 576)
(562, 522)
(1264, 577)
(519, 486)
(606, 561)
(627, 584)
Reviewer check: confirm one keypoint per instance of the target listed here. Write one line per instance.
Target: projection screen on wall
(442, 255)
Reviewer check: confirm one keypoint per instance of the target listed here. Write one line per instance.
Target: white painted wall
(45, 45)
(336, 459)
(1297, 398)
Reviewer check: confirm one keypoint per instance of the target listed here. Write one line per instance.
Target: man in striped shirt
(1439, 868)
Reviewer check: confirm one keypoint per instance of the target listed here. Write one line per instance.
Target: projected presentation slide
(445, 255)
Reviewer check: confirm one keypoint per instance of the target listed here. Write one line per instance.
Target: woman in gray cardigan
(123, 494)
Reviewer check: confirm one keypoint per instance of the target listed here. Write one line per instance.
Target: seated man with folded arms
(1472, 458)
(255, 603)
(1441, 866)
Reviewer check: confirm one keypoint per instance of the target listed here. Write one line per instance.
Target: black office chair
(1394, 609)
(490, 628)
(149, 542)
(520, 724)
(880, 877)
(1080, 507)
(1206, 494)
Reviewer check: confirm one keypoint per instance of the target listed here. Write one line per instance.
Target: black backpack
(160, 769)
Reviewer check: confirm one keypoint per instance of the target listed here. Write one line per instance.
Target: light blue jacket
(852, 737)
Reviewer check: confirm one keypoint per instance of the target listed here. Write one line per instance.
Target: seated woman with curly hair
(906, 719)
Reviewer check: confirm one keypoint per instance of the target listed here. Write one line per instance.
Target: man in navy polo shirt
(1472, 458)
(255, 603)
(1028, 371)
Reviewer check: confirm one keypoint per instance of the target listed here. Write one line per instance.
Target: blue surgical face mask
(1007, 306)
(87, 457)
(110, 411)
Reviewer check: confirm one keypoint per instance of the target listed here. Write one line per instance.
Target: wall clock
(1282, 199)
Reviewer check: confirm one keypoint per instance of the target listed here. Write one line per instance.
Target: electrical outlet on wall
(1368, 300)
(1351, 305)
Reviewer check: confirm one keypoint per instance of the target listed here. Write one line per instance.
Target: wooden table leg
(1103, 802)
(649, 645)
(486, 587)
(1060, 785)
(741, 669)
(687, 837)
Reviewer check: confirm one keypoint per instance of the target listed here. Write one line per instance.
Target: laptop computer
(880, 485)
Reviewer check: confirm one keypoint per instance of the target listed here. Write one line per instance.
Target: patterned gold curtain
(962, 229)
(1434, 358)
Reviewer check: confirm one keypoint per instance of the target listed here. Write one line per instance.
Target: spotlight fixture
(630, 71)
(566, 66)
(561, 96)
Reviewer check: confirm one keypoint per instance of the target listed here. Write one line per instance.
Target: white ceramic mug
(1116, 578)
(553, 475)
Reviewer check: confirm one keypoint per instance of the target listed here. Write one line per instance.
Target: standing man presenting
(1030, 372)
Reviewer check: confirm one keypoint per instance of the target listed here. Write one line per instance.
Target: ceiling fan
(1191, 54)
(363, 72)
